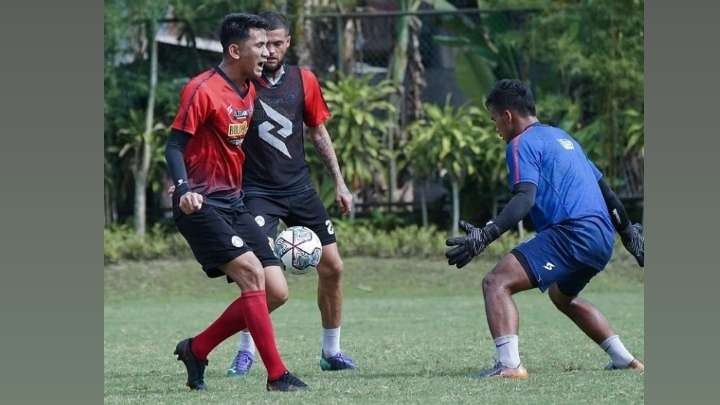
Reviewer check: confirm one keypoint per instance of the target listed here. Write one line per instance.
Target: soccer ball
(299, 249)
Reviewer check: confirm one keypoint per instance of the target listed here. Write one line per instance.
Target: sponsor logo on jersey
(236, 132)
(278, 124)
(238, 114)
(549, 266)
(566, 143)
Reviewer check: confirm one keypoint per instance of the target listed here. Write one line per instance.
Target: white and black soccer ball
(299, 249)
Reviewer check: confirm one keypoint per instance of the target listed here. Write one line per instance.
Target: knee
(508, 277)
(495, 280)
(247, 271)
(277, 298)
(254, 275)
(492, 283)
(331, 270)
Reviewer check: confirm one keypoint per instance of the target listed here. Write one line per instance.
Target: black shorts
(218, 235)
(303, 209)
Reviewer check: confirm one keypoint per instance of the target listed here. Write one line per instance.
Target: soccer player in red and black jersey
(205, 160)
(277, 185)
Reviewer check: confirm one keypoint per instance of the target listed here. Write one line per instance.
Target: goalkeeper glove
(470, 245)
(634, 242)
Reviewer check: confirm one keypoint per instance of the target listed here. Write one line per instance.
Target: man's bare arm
(323, 144)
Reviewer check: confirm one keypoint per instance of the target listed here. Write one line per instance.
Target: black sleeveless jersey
(274, 145)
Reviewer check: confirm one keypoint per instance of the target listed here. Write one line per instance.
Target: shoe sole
(233, 375)
(325, 366)
(635, 366)
(520, 375)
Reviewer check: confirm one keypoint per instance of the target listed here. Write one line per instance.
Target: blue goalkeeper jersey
(568, 194)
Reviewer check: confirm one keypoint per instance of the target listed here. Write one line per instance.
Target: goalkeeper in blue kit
(575, 214)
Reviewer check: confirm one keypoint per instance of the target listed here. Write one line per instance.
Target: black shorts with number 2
(302, 209)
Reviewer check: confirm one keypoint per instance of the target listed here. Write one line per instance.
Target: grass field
(414, 328)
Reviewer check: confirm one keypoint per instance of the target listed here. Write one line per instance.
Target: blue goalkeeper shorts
(552, 256)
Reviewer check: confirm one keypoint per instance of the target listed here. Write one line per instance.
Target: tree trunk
(109, 206)
(140, 203)
(455, 184)
(345, 31)
(143, 162)
(396, 73)
(423, 203)
(398, 64)
(392, 189)
(415, 70)
(303, 32)
(348, 49)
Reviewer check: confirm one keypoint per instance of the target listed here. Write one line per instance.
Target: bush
(405, 242)
(121, 243)
(354, 239)
(409, 241)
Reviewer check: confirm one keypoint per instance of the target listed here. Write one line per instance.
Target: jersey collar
(232, 84)
(275, 80)
(534, 124)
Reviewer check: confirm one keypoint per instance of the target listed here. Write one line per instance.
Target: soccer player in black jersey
(277, 185)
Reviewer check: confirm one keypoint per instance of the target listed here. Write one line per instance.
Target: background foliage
(583, 59)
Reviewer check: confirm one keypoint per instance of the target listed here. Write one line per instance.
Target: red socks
(230, 322)
(260, 326)
(251, 311)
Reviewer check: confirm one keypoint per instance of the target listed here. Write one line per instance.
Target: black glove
(470, 245)
(634, 242)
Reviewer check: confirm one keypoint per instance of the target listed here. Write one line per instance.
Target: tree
(487, 48)
(142, 19)
(360, 117)
(448, 140)
(596, 48)
(134, 109)
(396, 73)
(583, 59)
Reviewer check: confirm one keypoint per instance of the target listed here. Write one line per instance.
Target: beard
(271, 70)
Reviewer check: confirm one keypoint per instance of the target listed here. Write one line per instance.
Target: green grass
(415, 329)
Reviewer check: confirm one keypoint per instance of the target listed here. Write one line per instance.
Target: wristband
(181, 188)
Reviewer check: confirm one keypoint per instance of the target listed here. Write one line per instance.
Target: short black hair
(510, 94)
(275, 20)
(236, 27)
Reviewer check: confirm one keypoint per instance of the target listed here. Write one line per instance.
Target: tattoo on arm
(323, 144)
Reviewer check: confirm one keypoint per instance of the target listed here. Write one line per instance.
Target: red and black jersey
(274, 147)
(217, 114)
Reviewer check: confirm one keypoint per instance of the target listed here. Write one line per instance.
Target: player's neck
(232, 73)
(523, 123)
(274, 76)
